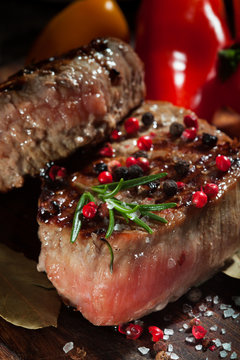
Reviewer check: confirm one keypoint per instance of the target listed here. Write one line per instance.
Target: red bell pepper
(179, 42)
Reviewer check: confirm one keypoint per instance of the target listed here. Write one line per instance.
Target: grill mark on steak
(50, 109)
(149, 270)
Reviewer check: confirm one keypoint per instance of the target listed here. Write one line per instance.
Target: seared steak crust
(149, 270)
(51, 108)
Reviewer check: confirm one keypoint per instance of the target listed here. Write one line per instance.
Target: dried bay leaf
(233, 269)
(27, 298)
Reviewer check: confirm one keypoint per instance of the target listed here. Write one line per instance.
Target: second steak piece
(49, 110)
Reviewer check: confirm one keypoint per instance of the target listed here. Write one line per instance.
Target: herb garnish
(106, 193)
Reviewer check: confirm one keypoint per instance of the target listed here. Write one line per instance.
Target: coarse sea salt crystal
(233, 356)
(165, 337)
(236, 315)
(185, 326)
(213, 328)
(143, 350)
(208, 298)
(181, 330)
(216, 300)
(68, 347)
(202, 307)
(217, 342)
(227, 346)
(223, 331)
(170, 348)
(224, 306)
(174, 356)
(223, 354)
(168, 331)
(228, 313)
(190, 339)
(198, 347)
(208, 313)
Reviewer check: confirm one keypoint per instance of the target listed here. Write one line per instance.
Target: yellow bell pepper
(77, 25)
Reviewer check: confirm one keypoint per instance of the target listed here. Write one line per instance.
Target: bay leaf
(233, 269)
(27, 298)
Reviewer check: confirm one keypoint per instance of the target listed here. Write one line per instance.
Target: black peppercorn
(176, 129)
(209, 140)
(122, 172)
(135, 171)
(170, 187)
(140, 153)
(182, 167)
(147, 118)
(99, 167)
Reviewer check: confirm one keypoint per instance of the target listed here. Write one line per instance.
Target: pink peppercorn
(211, 189)
(157, 333)
(131, 125)
(105, 177)
(189, 134)
(107, 151)
(198, 332)
(144, 143)
(223, 163)
(143, 163)
(57, 172)
(133, 331)
(199, 199)
(89, 210)
(131, 160)
(190, 121)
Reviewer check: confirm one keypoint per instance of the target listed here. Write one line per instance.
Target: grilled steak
(50, 109)
(149, 270)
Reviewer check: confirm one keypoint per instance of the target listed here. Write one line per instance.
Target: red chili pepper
(180, 50)
(198, 332)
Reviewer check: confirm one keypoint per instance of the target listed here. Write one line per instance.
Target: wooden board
(19, 231)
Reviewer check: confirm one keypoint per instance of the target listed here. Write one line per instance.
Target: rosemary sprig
(126, 184)
(128, 211)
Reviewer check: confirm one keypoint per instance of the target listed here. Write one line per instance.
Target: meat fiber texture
(50, 109)
(149, 270)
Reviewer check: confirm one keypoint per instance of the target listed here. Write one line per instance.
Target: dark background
(22, 20)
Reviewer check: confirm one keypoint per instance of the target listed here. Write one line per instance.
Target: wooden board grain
(19, 231)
